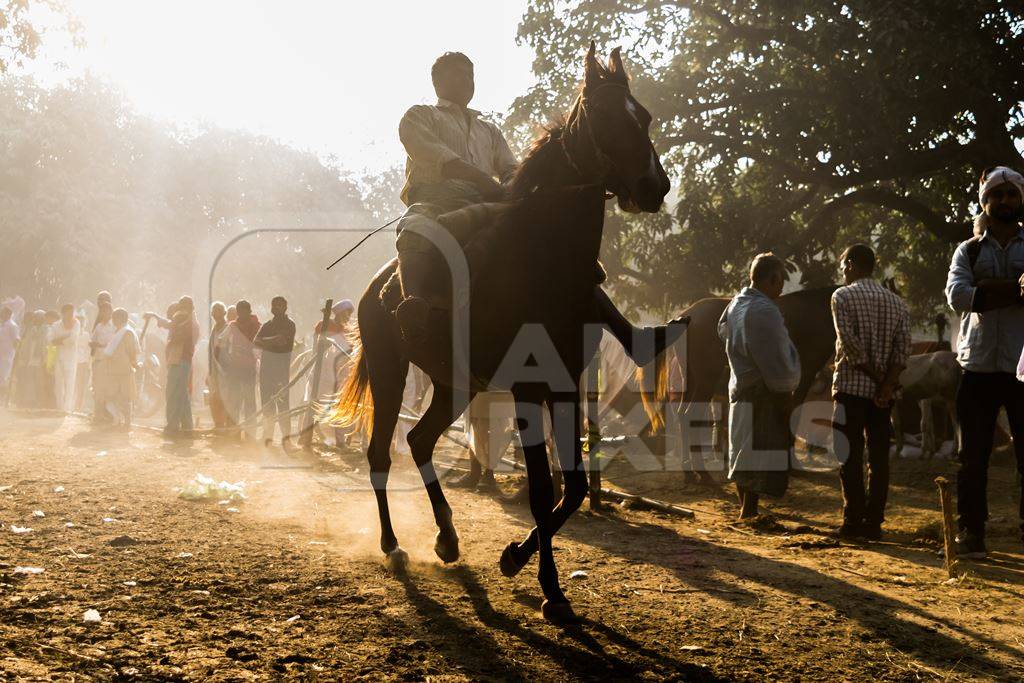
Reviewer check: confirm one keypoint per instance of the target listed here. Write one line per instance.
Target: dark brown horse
(808, 316)
(533, 296)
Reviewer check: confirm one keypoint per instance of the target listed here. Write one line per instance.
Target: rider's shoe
(413, 314)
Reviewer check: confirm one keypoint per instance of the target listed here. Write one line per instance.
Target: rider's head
(278, 305)
(452, 75)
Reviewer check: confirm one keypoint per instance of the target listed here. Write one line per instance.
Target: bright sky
(332, 77)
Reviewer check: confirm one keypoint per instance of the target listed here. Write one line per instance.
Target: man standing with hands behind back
(872, 347)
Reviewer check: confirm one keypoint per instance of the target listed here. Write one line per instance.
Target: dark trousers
(275, 407)
(854, 417)
(978, 401)
(179, 400)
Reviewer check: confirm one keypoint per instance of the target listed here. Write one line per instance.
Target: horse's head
(607, 138)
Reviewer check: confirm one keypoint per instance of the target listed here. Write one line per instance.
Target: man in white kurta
(764, 370)
(63, 334)
(102, 332)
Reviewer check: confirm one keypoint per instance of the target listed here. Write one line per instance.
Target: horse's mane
(536, 169)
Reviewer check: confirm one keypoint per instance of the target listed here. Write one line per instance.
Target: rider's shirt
(433, 135)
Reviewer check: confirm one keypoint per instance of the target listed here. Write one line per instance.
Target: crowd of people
(92, 357)
(985, 286)
(51, 359)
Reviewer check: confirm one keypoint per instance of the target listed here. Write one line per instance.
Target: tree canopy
(21, 32)
(94, 196)
(798, 126)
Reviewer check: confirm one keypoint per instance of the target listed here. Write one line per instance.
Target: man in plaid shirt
(872, 347)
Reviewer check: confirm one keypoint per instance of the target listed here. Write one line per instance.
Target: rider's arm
(426, 149)
(457, 169)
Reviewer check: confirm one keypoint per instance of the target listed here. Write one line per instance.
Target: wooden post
(306, 429)
(593, 429)
(946, 501)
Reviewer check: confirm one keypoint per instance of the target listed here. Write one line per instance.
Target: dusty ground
(292, 584)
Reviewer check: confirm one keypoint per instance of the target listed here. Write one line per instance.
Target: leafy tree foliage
(798, 126)
(94, 196)
(21, 34)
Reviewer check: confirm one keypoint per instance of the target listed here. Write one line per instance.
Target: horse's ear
(615, 65)
(591, 69)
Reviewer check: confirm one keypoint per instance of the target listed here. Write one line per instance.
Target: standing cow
(929, 379)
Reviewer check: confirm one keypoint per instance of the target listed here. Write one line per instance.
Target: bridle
(581, 119)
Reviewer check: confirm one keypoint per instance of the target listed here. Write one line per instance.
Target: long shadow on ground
(584, 658)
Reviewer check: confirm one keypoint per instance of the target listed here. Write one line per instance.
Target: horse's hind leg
(443, 410)
(387, 370)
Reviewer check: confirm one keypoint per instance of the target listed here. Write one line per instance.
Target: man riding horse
(541, 254)
(456, 160)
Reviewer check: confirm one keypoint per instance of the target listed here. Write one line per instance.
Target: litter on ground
(204, 488)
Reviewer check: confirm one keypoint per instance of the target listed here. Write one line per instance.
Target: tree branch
(934, 222)
(907, 165)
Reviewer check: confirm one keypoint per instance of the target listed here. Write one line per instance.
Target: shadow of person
(99, 436)
(180, 448)
(1002, 572)
(887, 618)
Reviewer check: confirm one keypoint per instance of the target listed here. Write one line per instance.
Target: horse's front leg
(566, 427)
(529, 414)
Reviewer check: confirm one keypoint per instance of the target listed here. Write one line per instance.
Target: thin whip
(360, 242)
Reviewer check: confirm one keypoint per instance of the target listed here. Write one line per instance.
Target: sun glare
(331, 77)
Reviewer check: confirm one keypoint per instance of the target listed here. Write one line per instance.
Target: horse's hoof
(397, 560)
(508, 564)
(559, 613)
(447, 548)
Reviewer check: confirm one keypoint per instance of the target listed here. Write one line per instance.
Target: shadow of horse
(586, 658)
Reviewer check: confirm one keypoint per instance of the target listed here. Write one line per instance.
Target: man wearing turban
(984, 287)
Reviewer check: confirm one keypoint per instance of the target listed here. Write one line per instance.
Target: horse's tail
(655, 397)
(354, 405)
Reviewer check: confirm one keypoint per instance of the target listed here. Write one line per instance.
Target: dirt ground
(290, 583)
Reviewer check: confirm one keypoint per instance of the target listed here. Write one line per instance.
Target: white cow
(930, 378)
